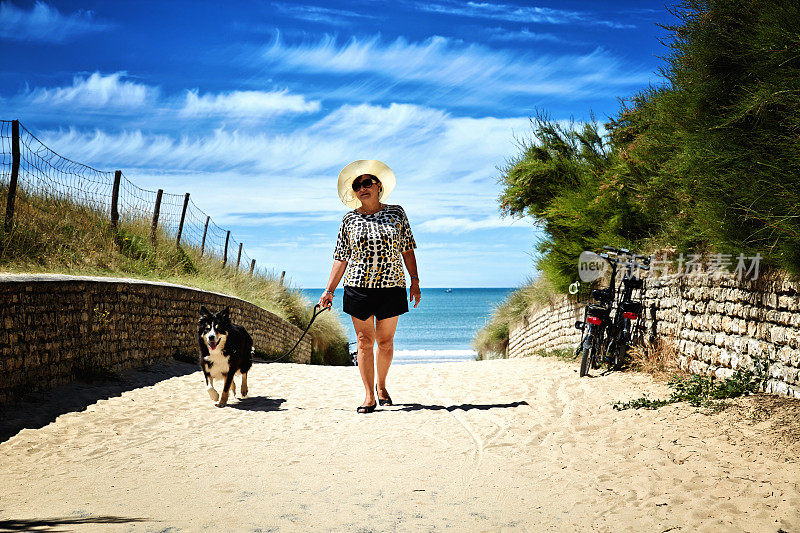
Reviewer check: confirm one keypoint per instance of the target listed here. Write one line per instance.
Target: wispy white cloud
(465, 224)
(282, 219)
(501, 12)
(371, 125)
(524, 35)
(246, 104)
(480, 246)
(441, 161)
(217, 151)
(280, 188)
(358, 130)
(130, 101)
(325, 245)
(96, 91)
(514, 13)
(45, 23)
(318, 14)
(475, 71)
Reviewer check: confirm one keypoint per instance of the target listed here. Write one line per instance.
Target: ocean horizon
(441, 328)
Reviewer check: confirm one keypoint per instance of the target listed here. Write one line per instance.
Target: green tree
(567, 177)
(707, 162)
(718, 147)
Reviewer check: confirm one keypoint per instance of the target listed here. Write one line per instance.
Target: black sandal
(383, 401)
(366, 409)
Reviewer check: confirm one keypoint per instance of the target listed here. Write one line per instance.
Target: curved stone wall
(54, 328)
(716, 326)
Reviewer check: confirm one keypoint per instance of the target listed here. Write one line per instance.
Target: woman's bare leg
(384, 334)
(365, 337)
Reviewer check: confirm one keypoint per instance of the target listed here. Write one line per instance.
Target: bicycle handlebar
(644, 265)
(638, 259)
(623, 251)
(633, 263)
(608, 258)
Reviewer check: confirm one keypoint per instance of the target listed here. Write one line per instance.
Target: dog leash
(317, 312)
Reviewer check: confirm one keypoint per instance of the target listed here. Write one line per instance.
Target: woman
(372, 238)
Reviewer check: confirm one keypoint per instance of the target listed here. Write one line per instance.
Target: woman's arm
(337, 271)
(411, 265)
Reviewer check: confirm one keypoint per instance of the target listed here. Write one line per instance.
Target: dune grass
(57, 236)
(491, 342)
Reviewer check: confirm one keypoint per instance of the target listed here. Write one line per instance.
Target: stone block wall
(551, 327)
(54, 328)
(716, 326)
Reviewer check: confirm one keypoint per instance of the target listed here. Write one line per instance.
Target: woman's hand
(337, 271)
(414, 293)
(326, 300)
(411, 265)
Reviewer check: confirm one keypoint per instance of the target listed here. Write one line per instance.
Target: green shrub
(706, 391)
(134, 246)
(563, 354)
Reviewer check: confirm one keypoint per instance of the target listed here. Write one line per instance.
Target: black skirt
(383, 302)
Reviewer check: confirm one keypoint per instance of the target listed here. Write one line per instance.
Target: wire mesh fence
(29, 167)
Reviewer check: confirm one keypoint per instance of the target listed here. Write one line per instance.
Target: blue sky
(254, 107)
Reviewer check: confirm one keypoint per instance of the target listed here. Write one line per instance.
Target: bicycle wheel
(586, 360)
(597, 350)
(621, 353)
(588, 349)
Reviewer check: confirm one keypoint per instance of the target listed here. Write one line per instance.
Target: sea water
(440, 329)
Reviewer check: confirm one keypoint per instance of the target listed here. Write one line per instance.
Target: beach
(504, 445)
(439, 330)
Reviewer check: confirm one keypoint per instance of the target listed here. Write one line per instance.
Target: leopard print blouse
(372, 244)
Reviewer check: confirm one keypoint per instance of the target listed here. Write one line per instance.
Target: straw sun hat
(357, 168)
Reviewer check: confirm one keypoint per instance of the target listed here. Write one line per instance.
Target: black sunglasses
(366, 182)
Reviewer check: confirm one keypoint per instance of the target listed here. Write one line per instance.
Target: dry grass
(659, 358)
(58, 236)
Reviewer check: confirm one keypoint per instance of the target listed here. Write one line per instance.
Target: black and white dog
(225, 350)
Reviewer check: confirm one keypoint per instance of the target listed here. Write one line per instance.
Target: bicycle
(606, 338)
(627, 314)
(595, 319)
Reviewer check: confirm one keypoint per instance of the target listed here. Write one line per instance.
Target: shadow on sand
(461, 407)
(258, 403)
(37, 409)
(52, 524)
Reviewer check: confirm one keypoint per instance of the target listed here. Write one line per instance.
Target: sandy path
(514, 445)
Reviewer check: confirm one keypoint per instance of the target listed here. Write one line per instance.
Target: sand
(509, 445)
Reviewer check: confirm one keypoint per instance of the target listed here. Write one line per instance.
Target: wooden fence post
(205, 231)
(115, 200)
(156, 212)
(239, 257)
(183, 217)
(225, 254)
(252, 266)
(283, 273)
(12, 186)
